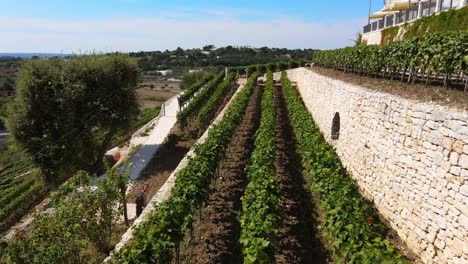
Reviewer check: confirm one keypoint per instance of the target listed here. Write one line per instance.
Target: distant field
(160, 92)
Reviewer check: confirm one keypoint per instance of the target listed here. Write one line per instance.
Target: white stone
(438, 115)
(430, 237)
(439, 243)
(455, 170)
(464, 190)
(463, 162)
(464, 174)
(463, 221)
(454, 158)
(433, 192)
(458, 127)
(432, 125)
(447, 142)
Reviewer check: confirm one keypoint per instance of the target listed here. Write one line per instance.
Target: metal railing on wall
(424, 8)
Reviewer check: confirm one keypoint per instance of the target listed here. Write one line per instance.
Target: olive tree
(66, 112)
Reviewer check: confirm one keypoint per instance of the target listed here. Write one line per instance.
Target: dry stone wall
(409, 158)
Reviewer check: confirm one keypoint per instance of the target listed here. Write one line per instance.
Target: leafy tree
(7, 85)
(179, 51)
(225, 56)
(358, 39)
(190, 78)
(209, 47)
(3, 111)
(66, 112)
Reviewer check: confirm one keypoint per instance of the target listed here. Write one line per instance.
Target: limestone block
(432, 125)
(455, 170)
(435, 137)
(439, 243)
(454, 158)
(459, 260)
(463, 162)
(457, 126)
(458, 146)
(431, 236)
(455, 245)
(447, 142)
(463, 221)
(464, 190)
(433, 192)
(464, 174)
(437, 115)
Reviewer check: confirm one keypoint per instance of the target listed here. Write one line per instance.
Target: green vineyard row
(190, 92)
(198, 101)
(209, 109)
(434, 55)
(156, 239)
(23, 197)
(349, 226)
(260, 218)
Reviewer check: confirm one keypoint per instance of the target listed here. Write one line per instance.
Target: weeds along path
(297, 240)
(216, 231)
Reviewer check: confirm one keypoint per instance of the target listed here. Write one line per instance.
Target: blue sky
(132, 25)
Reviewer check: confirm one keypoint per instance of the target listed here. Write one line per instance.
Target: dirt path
(298, 243)
(216, 233)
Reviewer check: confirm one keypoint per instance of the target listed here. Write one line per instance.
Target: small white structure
(165, 72)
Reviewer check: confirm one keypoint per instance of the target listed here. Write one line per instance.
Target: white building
(399, 12)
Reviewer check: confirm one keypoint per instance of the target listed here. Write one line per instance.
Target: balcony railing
(424, 8)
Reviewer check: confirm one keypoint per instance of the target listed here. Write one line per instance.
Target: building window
(335, 132)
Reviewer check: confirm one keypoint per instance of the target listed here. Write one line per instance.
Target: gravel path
(161, 130)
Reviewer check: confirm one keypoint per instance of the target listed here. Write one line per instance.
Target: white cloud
(135, 34)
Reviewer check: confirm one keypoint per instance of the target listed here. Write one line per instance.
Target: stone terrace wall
(410, 158)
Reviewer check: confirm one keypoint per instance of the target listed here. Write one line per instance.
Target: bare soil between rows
(215, 237)
(298, 242)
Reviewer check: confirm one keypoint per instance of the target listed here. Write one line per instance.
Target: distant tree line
(211, 56)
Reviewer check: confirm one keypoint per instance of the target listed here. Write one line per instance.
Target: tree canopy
(225, 56)
(66, 112)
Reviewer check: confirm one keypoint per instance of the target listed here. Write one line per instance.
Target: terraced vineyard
(245, 196)
(20, 188)
(219, 93)
(262, 187)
